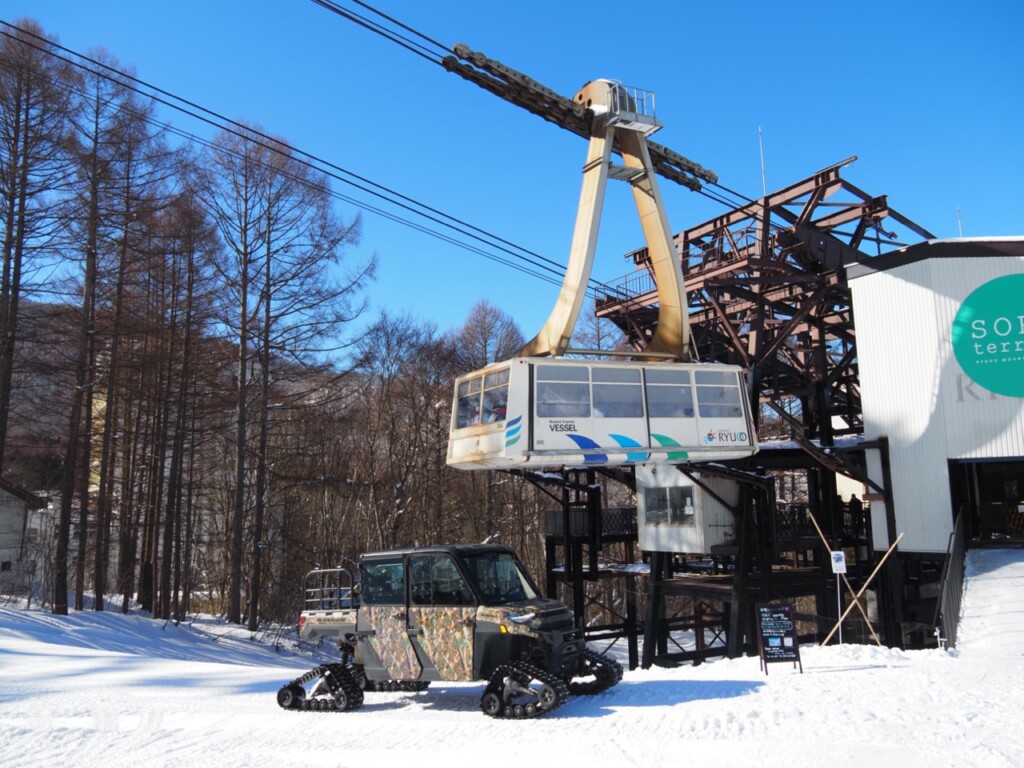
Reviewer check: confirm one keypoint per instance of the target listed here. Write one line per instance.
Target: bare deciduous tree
(235, 443)
(284, 299)
(488, 335)
(34, 106)
(594, 333)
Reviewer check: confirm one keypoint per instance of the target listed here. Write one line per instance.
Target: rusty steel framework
(767, 290)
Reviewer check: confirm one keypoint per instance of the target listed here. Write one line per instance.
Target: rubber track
(524, 674)
(607, 672)
(345, 691)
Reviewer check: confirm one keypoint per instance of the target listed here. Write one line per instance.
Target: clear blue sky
(928, 95)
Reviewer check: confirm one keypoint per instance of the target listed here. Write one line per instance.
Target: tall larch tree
(286, 298)
(35, 100)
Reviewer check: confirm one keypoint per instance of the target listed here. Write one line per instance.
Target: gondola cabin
(555, 412)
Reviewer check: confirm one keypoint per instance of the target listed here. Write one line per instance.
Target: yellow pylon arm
(616, 118)
(553, 338)
(672, 333)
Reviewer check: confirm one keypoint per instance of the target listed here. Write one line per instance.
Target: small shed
(15, 503)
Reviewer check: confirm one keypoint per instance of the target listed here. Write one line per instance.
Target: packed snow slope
(102, 689)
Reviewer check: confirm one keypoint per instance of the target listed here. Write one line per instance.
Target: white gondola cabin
(532, 412)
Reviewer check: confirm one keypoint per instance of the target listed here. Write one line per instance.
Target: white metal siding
(979, 423)
(915, 393)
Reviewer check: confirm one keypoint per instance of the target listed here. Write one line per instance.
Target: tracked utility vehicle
(448, 613)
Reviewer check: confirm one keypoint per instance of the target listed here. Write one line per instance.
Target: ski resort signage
(776, 636)
(988, 335)
(838, 561)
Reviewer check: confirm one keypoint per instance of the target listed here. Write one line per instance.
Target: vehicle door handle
(400, 616)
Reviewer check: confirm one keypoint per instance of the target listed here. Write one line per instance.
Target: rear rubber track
(345, 692)
(604, 672)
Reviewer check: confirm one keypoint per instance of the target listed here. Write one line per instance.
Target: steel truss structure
(767, 290)
(766, 285)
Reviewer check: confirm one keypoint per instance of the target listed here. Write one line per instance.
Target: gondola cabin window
(617, 393)
(495, 396)
(563, 391)
(669, 394)
(581, 392)
(718, 394)
(482, 399)
(468, 412)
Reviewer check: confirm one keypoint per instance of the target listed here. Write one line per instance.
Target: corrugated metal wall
(915, 393)
(979, 423)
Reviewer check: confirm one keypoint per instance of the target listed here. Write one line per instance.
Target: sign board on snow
(839, 562)
(776, 636)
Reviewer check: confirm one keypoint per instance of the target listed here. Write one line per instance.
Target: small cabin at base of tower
(682, 513)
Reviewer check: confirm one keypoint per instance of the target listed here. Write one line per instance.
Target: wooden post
(845, 580)
(862, 589)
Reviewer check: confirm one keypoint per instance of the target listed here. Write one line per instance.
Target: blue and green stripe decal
(587, 444)
(629, 442)
(513, 430)
(668, 442)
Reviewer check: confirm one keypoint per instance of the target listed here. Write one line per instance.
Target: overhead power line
(523, 91)
(435, 55)
(508, 253)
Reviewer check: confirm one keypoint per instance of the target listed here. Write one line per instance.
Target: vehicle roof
(456, 550)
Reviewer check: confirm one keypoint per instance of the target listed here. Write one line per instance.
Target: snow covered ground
(102, 689)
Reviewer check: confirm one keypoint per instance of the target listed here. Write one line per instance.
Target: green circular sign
(988, 335)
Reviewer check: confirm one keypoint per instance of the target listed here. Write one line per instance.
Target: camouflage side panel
(447, 639)
(499, 615)
(391, 642)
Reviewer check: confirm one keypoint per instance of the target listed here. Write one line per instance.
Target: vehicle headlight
(522, 618)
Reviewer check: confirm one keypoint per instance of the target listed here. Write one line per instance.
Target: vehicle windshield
(500, 578)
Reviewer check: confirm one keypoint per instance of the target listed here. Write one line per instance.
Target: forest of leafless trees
(188, 373)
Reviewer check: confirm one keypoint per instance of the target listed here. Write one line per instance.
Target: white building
(15, 504)
(940, 347)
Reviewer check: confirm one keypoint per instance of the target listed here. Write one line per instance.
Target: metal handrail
(947, 608)
(329, 589)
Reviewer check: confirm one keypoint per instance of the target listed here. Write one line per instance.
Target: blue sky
(927, 95)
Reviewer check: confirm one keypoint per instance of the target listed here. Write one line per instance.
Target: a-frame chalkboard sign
(776, 636)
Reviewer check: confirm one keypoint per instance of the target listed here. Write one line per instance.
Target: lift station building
(899, 368)
(940, 344)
